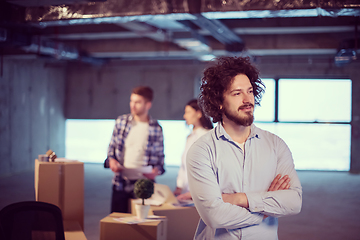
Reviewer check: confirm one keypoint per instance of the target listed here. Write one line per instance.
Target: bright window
(265, 112)
(175, 134)
(88, 140)
(313, 100)
(315, 146)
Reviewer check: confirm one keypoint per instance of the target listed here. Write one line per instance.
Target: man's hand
(153, 174)
(177, 191)
(184, 196)
(115, 165)
(279, 183)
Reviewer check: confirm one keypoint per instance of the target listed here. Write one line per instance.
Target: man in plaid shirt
(136, 149)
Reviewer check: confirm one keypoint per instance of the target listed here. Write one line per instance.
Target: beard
(138, 112)
(246, 120)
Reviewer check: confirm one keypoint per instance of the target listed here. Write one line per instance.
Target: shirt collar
(151, 120)
(221, 133)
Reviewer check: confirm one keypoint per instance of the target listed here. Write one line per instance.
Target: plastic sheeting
(216, 9)
(110, 8)
(144, 10)
(249, 5)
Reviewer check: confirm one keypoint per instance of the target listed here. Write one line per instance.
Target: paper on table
(64, 160)
(164, 194)
(136, 173)
(184, 203)
(135, 219)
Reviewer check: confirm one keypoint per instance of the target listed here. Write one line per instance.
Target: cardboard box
(73, 231)
(111, 229)
(62, 184)
(182, 221)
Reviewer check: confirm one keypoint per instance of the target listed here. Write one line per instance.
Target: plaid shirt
(154, 153)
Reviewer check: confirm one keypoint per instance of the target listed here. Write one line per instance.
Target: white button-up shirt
(216, 165)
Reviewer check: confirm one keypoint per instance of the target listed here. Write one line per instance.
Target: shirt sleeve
(206, 193)
(283, 202)
(158, 150)
(112, 144)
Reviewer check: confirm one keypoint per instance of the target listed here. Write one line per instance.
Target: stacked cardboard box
(62, 184)
(111, 229)
(73, 231)
(182, 221)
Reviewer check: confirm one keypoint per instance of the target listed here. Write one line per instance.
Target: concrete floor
(331, 202)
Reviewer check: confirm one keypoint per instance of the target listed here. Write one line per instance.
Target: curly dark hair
(218, 78)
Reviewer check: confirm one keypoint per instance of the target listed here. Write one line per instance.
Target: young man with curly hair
(241, 178)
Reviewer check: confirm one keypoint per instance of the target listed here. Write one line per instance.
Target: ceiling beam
(232, 42)
(293, 30)
(142, 29)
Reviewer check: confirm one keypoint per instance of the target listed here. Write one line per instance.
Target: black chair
(31, 220)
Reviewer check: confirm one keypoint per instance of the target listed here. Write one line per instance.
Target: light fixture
(345, 56)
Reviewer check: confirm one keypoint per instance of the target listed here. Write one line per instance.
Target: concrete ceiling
(99, 31)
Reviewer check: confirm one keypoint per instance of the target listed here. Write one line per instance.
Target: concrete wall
(104, 92)
(32, 94)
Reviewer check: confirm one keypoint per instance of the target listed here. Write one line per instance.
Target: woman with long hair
(201, 124)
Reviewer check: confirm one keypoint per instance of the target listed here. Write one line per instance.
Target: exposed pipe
(58, 50)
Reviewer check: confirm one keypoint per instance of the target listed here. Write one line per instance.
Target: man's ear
(148, 105)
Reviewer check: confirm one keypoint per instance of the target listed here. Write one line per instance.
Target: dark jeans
(120, 201)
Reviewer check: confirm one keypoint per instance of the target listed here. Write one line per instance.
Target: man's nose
(247, 98)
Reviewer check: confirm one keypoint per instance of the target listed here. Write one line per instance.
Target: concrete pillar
(355, 123)
(32, 94)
